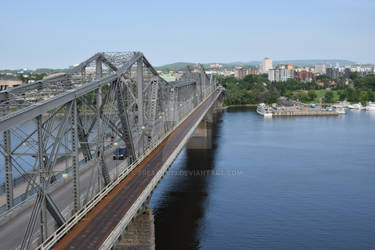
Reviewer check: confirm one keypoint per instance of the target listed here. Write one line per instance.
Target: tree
(371, 95)
(363, 97)
(312, 95)
(342, 95)
(350, 95)
(301, 96)
(328, 97)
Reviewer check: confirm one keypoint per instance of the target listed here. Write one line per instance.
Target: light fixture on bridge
(115, 144)
(65, 175)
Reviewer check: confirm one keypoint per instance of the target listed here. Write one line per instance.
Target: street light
(65, 175)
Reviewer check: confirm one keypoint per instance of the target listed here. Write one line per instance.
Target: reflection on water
(179, 202)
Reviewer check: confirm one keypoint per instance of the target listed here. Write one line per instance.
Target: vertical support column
(140, 102)
(43, 181)
(8, 170)
(203, 83)
(8, 165)
(100, 136)
(211, 81)
(140, 91)
(75, 167)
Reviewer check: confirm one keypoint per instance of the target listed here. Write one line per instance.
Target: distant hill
(315, 61)
(175, 66)
(182, 65)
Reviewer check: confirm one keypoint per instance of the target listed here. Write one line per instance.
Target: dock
(301, 111)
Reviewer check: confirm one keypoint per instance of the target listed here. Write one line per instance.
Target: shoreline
(239, 105)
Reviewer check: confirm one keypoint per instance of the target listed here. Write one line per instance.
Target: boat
(340, 110)
(343, 104)
(264, 110)
(370, 106)
(329, 108)
(357, 106)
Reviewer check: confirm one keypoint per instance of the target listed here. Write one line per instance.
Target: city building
(333, 72)
(280, 75)
(251, 72)
(240, 72)
(266, 65)
(216, 65)
(9, 81)
(320, 69)
(362, 69)
(304, 76)
(347, 73)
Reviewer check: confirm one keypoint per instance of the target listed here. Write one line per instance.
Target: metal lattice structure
(66, 124)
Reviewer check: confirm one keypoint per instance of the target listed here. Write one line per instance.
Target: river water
(296, 183)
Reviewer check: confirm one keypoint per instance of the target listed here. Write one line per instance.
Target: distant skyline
(45, 34)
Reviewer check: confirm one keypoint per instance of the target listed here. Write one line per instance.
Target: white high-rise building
(280, 75)
(320, 69)
(266, 65)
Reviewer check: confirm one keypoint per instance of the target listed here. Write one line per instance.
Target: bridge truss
(54, 128)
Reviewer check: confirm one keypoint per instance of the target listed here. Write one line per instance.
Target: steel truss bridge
(59, 182)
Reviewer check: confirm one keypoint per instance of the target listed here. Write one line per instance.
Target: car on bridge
(120, 153)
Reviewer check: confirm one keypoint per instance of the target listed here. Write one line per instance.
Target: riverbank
(239, 105)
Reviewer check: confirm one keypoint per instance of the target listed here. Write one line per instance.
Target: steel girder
(71, 114)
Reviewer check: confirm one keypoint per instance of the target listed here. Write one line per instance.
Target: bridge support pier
(140, 234)
(202, 136)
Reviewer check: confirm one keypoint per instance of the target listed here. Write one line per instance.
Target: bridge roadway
(92, 231)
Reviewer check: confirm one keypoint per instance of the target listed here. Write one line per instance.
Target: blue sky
(61, 33)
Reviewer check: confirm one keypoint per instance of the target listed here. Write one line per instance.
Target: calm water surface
(297, 183)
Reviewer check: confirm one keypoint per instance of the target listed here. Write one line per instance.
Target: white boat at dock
(264, 110)
(343, 104)
(370, 106)
(340, 110)
(357, 106)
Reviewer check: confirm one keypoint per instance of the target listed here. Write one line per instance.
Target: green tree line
(254, 89)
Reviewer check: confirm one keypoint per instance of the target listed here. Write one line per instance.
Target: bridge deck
(92, 230)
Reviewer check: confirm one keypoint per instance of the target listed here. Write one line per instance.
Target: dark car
(120, 153)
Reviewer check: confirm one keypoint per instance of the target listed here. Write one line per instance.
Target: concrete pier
(202, 136)
(140, 234)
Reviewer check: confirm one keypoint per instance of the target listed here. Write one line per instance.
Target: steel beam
(99, 118)
(126, 130)
(8, 170)
(42, 177)
(75, 158)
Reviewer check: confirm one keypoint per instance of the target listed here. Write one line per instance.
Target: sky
(56, 34)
